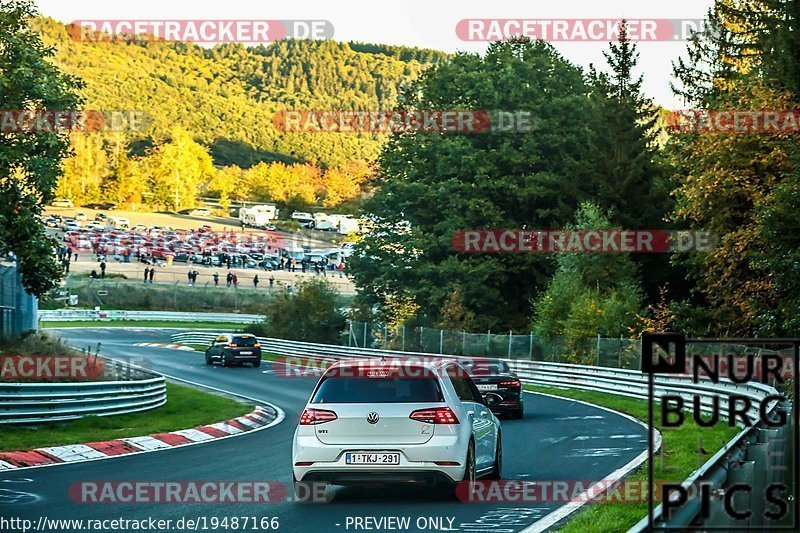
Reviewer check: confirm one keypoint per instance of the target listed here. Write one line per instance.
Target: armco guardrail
(747, 453)
(28, 403)
(92, 315)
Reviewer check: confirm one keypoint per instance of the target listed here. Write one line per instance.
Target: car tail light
(437, 415)
(257, 345)
(447, 463)
(233, 345)
(312, 417)
(304, 463)
(513, 384)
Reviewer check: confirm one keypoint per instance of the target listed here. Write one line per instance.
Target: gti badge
(373, 418)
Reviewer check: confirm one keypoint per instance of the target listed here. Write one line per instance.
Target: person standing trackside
(271, 281)
(152, 273)
(235, 281)
(189, 275)
(216, 279)
(255, 281)
(229, 278)
(103, 269)
(146, 272)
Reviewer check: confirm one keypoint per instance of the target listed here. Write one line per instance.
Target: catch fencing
(18, 308)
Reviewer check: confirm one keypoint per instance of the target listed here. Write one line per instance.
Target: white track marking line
(565, 510)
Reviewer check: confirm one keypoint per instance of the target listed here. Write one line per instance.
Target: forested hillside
(225, 96)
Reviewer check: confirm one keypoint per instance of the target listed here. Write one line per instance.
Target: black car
(105, 206)
(499, 386)
(234, 348)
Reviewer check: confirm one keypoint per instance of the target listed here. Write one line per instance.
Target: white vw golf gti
(395, 421)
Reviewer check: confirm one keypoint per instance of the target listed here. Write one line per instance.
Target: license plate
(246, 353)
(487, 387)
(372, 458)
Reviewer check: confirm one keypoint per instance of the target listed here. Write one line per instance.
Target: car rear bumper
(350, 477)
(418, 462)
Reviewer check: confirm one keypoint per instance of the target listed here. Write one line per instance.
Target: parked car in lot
(81, 216)
(200, 212)
(106, 206)
(499, 386)
(417, 421)
(234, 348)
(62, 202)
(70, 224)
(269, 262)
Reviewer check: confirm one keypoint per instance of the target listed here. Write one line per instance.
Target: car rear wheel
(257, 363)
(469, 469)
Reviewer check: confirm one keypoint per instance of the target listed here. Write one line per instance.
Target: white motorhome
(347, 225)
(257, 216)
(302, 217)
(323, 222)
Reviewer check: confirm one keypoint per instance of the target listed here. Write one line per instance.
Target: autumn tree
(30, 163)
(740, 185)
(177, 169)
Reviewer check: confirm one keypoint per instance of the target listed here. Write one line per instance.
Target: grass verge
(222, 326)
(675, 463)
(186, 408)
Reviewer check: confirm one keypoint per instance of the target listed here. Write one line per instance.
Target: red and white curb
(162, 345)
(257, 419)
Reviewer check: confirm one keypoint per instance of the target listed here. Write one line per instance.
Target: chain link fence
(616, 353)
(18, 309)
(599, 351)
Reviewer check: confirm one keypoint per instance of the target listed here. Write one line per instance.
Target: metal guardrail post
(741, 473)
(758, 453)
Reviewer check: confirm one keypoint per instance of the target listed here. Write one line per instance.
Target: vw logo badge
(373, 418)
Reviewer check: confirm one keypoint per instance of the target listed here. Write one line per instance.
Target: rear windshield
(244, 341)
(378, 390)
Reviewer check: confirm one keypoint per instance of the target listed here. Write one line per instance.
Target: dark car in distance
(499, 386)
(233, 349)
